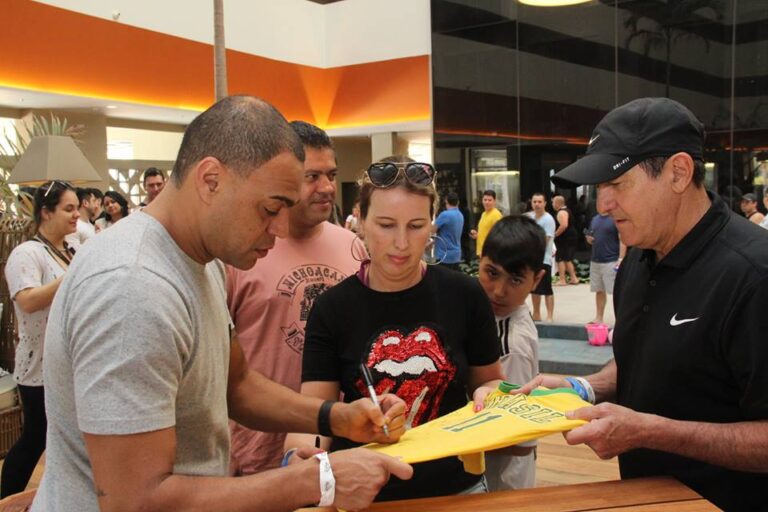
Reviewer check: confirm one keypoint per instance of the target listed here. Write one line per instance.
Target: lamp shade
(53, 157)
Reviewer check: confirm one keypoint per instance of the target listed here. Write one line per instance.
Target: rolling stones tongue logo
(414, 367)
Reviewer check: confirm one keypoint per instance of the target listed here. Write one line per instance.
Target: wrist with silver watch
(327, 481)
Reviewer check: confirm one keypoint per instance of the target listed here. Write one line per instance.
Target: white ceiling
(25, 99)
(363, 31)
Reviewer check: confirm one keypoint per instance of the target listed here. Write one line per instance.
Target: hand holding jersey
(611, 431)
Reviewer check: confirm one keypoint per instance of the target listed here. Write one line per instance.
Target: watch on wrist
(324, 418)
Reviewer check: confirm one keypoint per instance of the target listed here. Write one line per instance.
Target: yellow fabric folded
(506, 420)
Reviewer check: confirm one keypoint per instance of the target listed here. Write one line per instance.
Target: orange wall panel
(278, 82)
(383, 92)
(49, 49)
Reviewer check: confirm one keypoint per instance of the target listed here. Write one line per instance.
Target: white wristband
(327, 481)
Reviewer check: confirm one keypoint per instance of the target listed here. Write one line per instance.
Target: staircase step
(571, 356)
(562, 331)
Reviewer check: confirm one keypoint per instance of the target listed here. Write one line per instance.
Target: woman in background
(34, 272)
(115, 208)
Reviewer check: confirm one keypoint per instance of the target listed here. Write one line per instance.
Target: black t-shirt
(570, 232)
(418, 343)
(690, 344)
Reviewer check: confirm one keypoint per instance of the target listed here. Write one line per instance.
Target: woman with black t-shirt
(425, 333)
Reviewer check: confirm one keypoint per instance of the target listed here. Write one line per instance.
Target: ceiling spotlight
(552, 3)
(111, 107)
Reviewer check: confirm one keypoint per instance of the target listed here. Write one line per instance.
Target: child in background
(510, 268)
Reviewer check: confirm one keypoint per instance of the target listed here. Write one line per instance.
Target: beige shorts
(602, 276)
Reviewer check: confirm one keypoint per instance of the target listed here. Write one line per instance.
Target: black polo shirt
(691, 343)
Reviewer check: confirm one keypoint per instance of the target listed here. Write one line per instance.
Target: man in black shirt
(690, 374)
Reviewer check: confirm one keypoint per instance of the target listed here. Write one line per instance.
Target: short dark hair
(491, 193)
(119, 199)
(152, 171)
(241, 132)
(83, 194)
(452, 198)
(312, 136)
(516, 243)
(653, 166)
(539, 194)
(48, 195)
(98, 194)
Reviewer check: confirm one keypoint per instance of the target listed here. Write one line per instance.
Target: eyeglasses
(384, 174)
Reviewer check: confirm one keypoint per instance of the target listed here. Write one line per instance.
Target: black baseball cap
(627, 135)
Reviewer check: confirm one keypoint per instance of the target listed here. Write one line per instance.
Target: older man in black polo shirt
(690, 374)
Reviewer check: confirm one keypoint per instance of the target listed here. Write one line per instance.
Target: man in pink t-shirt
(270, 302)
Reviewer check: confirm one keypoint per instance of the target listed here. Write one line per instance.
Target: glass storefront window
(519, 88)
(490, 171)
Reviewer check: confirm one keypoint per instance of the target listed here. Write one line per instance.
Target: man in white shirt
(87, 208)
(547, 223)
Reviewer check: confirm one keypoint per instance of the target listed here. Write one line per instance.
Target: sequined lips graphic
(414, 367)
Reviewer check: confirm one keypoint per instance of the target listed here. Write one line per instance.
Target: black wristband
(324, 419)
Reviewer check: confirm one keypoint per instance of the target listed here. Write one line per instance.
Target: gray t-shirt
(137, 341)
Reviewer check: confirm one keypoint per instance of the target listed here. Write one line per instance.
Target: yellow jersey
(506, 420)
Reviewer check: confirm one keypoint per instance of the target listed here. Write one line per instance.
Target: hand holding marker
(372, 392)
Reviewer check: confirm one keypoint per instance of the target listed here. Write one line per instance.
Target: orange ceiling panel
(278, 82)
(383, 92)
(54, 50)
(49, 49)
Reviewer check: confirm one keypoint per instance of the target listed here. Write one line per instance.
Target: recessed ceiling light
(111, 107)
(552, 3)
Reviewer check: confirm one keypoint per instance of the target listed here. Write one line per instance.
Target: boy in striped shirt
(510, 268)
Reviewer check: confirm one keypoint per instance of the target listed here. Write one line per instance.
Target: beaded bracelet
(582, 386)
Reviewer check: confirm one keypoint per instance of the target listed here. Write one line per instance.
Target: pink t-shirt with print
(269, 305)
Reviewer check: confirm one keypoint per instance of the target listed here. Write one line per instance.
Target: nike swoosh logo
(593, 139)
(675, 322)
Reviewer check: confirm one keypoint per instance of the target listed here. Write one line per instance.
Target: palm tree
(669, 22)
(219, 50)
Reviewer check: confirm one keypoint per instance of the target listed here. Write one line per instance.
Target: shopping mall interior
(497, 94)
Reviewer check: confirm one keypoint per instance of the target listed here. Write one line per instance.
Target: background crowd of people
(140, 390)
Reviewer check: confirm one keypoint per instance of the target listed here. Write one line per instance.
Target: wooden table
(635, 495)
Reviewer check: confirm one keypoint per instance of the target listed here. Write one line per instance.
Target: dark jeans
(25, 454)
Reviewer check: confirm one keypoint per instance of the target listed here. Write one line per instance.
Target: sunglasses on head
(52, 183)
(384, 174)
